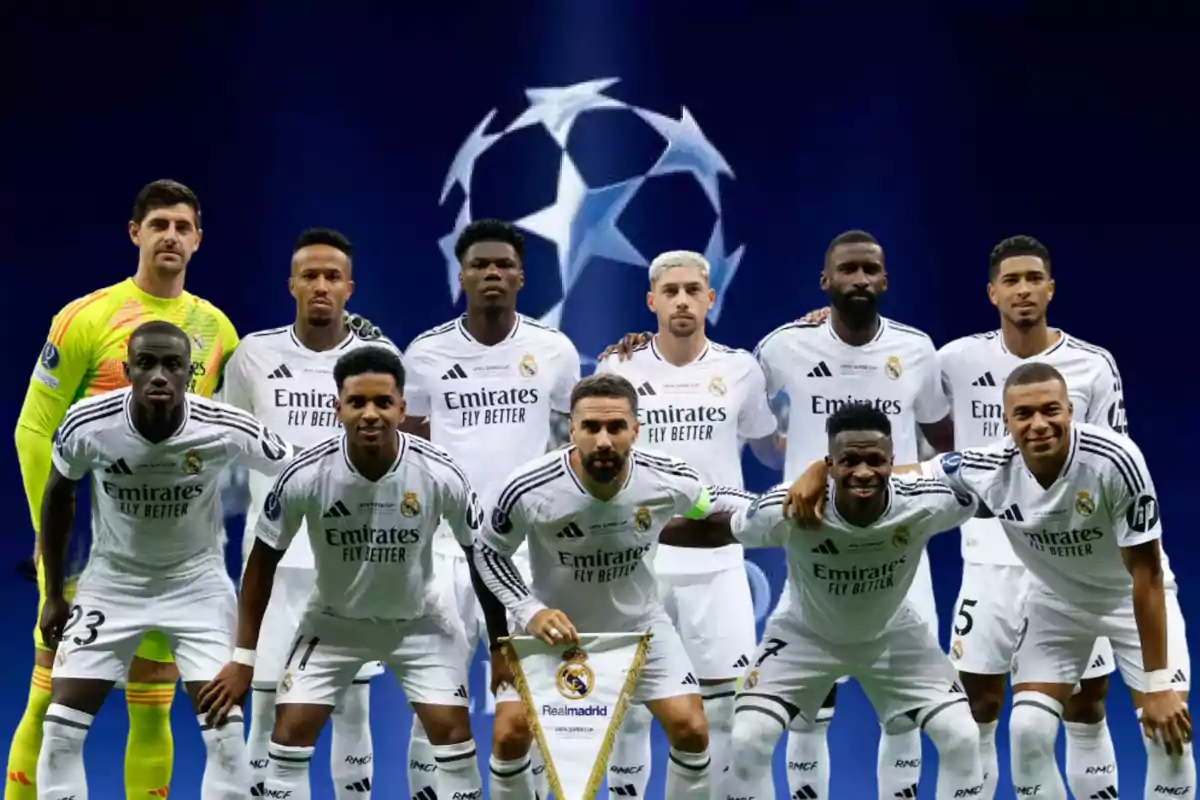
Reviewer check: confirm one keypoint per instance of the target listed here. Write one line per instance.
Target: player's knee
(298, 724)
(1087, 704)
(752, 743)
(446, 725)
(511, 737)
(1033, 725)
(688, 731)
(954, 732)
(985, 694)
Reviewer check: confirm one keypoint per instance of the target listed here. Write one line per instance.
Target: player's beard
(607, 473)
(857, 309)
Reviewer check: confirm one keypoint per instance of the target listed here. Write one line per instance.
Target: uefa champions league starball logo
(583, 221)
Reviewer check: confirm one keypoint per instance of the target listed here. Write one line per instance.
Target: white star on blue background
(446, 245)
(557, 108)
(721, 267)
(688, 150)
(582, 223)
(463, 167)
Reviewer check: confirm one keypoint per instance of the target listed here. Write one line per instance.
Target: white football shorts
(667, 671)
(903, 670)
(428, 656)
(197, 615)
(988, 618)
(289, 599)
(714, 613)
(1057, 638)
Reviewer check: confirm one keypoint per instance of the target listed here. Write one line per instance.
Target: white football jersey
(588, 557)
(848, 583)
(371, 540)
(156, 510)
(489, 406)
(276, 378)
(974, 369)
(896, 372)
(699, 412)
(1068, 536)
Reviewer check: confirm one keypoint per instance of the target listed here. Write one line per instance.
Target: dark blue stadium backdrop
(612, 132)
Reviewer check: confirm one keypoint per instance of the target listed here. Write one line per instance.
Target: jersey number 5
(968, 622)
(94, 619)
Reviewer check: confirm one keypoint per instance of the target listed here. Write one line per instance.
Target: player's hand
(624, 348)
(55, 613)
(502, 674)
(362, 326)
(805, 501)
(816, 316)
(225, 692)
(552, 627)
(1163, 713)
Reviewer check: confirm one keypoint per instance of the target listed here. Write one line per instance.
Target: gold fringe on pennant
(601, 766)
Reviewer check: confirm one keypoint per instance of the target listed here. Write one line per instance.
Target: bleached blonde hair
(677, 258)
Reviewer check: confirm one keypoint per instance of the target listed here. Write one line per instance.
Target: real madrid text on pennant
(575, 697)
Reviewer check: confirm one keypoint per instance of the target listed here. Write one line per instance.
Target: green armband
(700, 509)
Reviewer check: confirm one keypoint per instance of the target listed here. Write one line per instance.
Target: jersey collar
(1062, 340)
(831, 507)
(696, 360)
(461, 324)
(395, 464)
(349, 340)
(187, 414)
(833, 334)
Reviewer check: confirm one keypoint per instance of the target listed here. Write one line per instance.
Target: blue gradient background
(938, 133)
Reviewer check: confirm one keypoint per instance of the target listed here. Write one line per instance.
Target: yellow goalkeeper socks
(150, 750)
(27, 741)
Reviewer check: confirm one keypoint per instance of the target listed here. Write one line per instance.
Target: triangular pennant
(575, 697)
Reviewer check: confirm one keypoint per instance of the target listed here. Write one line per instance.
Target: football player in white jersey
(155, 455)
(855, 356)
(284, 377)
(616, 499)
(487, 387)
(988, 611)
(1079, 507)
(698, 401)
(372, 499)
(849, 614)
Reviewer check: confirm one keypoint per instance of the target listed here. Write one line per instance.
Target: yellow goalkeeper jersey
(85, 355)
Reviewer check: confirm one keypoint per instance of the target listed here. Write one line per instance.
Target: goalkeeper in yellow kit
(85, 355)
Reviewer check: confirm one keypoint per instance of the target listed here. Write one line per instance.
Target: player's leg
(1091, 757)
(352, 753)
(149, 693)
(27, 739)
(1051, 653)
(1166, 775)
(987, 619)
(510, 770)
(429, 659)
(898, 761)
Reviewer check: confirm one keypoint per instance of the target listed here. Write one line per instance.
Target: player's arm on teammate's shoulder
(625, 347)
(362, 327)
(758, 423)
(566, 375)
(417, 402)
(932, 405)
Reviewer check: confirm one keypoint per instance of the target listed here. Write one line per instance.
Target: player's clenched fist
(55, 613)
(552, 627)
(225, 692)
(1165, 713)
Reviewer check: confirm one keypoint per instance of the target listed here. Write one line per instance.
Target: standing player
(487, 387)
(618, 499)
(849, 614)
(85, 355)
(372, 498)
(1078, 505)
(284, 377)
(988, 611)
(155, 455)
(698, 401)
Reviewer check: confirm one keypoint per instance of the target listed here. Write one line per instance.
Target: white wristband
(242, 655)
(1158, 680)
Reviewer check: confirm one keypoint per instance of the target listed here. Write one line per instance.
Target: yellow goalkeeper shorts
(154, 645)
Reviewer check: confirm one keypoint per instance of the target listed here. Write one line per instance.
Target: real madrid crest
(528, 366)
(285, 685)
(716, 387)
(956, 650)
(751, 680)
(892, 368)
(575, 679)
(642, 520)
(1084, 504)
(192, 463)
(900, 537)
(410, 506)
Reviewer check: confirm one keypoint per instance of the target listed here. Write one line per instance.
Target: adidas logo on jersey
(911, 791)
(1098, 663)
(690, 680)
(1179, 677)
(646, 390)
(454, 373)
(805, 792)
(118, 467)
(985, 379)
(359, 786)
(1013, 514)
(741, 662)
(338, 509)
(628, 790)
(826, 548)
(461, 691)
(572, 531)
(281, 371)
(821, 370)
(1107, 793)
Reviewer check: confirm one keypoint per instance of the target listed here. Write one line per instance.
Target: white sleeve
(236, 384)
(259, 448)
(948, 507)
(1132, 498)
(931, 404)
(755, 418)
(773, 375)
(460, 506)
(1107, 406)
(727, 498)
(69, 452)
(950, 470)
(943, 370)
(416, 384)
(497, 539)
(566, 375)
(282, 511)
(761, 524)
